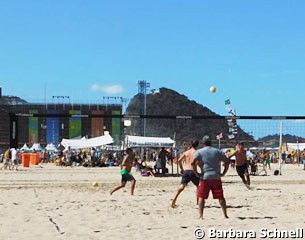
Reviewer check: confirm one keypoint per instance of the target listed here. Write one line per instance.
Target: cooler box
(25, 159)
(34, 158)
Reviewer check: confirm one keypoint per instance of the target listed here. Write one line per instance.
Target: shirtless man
(187, 172)
(127, 164)
(241, 163)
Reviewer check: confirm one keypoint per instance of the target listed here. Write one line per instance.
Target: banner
(232, 123)
(97, 124)
(33, 127)
(75, 124)
(116, 128)
(52, 128)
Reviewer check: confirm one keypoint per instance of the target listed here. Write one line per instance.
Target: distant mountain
(169, 102)
(274, 140)
(11, 100)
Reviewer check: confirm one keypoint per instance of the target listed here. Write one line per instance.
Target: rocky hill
(11, 100)
(169, 102)
(274, 140)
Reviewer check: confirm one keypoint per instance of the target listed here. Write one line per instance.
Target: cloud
(111, 89)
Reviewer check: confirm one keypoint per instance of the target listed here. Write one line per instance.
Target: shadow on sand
(255, 218)
(230, 206)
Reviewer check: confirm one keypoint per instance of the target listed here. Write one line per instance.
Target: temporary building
(36, 147)
(294, 146)
(87, 142)
(51, 147)
(25, 148)
(140, 141)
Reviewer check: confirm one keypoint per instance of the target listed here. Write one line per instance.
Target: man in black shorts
(187, 172)
(242, 164)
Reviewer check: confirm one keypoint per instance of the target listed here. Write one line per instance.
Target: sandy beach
(50, 202)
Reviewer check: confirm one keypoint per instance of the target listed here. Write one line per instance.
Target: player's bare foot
(173, 205)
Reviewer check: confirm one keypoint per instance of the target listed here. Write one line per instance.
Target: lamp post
(62, 98)
(127, 123)
(142, 88)
(43, 126)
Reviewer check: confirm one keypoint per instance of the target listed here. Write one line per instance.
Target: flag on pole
(219, 136)
(231, 136)
(227, 102)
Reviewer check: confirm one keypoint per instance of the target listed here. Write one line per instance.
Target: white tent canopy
(51, 147)
(296, 146)
(139, 141)
(87, 143)
(25, 148)
(36, 147)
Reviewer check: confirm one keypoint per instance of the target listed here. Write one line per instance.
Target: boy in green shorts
(127, 164)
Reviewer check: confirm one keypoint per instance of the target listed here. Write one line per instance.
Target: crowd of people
(11, 158)
(259, 161)
(93, 157)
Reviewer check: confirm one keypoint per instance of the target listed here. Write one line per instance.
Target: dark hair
(195, 143)
(128, 150)
(206, 140)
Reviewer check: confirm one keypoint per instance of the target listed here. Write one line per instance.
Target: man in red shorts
(208, 159)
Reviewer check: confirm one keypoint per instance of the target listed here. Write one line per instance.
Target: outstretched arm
(232, 154)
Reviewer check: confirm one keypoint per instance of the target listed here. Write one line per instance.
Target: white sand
(61, 203)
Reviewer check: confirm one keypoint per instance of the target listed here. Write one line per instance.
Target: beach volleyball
(95, 184)
(213, 89)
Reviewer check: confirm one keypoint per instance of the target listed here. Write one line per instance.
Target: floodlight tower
(142, 90)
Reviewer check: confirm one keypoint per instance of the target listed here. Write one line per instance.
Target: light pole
(142, 89)
(63, 98)
(127, 123)
(43, 126)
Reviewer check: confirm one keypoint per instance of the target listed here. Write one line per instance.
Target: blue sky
(252, 51)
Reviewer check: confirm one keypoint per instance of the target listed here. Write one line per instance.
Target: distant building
(53, 129)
